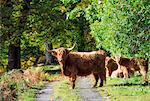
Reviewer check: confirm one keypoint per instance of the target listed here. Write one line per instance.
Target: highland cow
(75, 64)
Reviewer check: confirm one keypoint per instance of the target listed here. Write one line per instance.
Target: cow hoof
(94, 86)
(101, 85)
(146, 83)
(73, 86)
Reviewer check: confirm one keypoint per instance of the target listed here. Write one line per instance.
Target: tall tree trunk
(49, 58)
(14, 51)
(14, 57)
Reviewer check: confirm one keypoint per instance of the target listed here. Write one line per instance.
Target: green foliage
(37, 22)
(69, 2)
(93, 11)
(41, 22)
(76, 16)
(125, 90)
(123, 28)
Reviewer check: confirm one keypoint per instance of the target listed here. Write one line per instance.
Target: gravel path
(83, 83)
(46, 94)
(86, 91)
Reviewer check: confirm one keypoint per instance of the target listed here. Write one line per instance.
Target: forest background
(120, 27)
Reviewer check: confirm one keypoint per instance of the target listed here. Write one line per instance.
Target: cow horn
(71, 47)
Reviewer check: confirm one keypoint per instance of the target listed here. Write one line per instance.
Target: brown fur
(121, 72)
(117, 73)
(129, 65)
(111, 66)
(82, 64)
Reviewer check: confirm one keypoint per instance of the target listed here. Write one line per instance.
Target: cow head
(61, 54)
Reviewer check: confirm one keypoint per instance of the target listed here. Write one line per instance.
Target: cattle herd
(75, 64)
(125, 67)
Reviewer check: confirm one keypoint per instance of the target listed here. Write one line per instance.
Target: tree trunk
(14, 57)
(14, 51)
(49, 58)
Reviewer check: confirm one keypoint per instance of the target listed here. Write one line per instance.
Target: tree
(75, 11)
(121, 27)
(13, 23)
(29, 24)
(49, 58)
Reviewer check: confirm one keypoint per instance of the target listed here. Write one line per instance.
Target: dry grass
(16, 82)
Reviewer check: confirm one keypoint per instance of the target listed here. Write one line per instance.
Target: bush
(123, 27)
(16, 82)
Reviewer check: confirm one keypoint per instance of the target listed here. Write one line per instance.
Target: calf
(110, 65)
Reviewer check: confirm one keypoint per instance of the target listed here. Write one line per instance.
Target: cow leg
(101, 83)
(102, 77)
(73, 82)
(73, 79)
(144, 74)
(96, 79)
(125, 73)
(62, 71)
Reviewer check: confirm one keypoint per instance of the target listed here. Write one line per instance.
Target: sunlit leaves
(123, 27)
(68, 2)
(119, 26)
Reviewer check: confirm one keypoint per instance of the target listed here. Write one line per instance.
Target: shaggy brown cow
(134, 64)
(81, 64)
(110, 65)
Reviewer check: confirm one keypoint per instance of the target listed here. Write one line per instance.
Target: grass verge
(131, 89)
(64, 92)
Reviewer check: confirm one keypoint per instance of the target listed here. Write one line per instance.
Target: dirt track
(46, 94)
(86, 91)
(83, 83)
